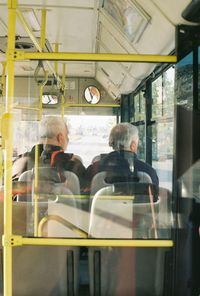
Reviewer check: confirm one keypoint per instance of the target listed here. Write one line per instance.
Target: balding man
(53, 142)
(121, 163)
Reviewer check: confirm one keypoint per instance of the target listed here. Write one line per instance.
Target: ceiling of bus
(86, 26)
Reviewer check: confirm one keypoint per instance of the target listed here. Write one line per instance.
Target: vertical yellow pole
(3, 78)
(63, 95)
(1, 114)
(36, 191)
(56, 49)
(43, 29)
(40, 102)
(7, 254)
(36, 176)
(42, 44)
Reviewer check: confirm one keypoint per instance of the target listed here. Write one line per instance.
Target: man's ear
(133, 146)
(59, 138)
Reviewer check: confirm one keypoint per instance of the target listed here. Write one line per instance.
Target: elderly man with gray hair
(122, 163)
(51, 150)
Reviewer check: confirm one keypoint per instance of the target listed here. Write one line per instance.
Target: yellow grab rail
(105, 57)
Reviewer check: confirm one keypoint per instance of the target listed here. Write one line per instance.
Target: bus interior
(97, 63)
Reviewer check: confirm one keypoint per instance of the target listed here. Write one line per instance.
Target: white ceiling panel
(76, 35)
(170, 9)
(83, 26)
(112, 90)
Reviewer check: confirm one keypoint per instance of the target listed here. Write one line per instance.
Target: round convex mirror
(92, 94)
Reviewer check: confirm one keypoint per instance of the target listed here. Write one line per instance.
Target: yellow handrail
(91, 242)
(62, 221)
(105, 57)
(8, 137)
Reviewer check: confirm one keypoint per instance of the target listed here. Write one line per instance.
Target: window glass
(141, 144)
(131, 19)
(139, 107)
(157, 95)
(163, 129)
(88, 135)
(168, 92)
(139, 120)
(184, 82)
(199, 78)
(26, 135)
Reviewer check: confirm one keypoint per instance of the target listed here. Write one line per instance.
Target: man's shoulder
(143, 164)
(110, 156)
(147, 168)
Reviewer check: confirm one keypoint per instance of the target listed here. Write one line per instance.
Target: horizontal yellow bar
(26, 107)
(96, 242)
(92, 105)
(78, 196)
(87, 197)
(63, 56)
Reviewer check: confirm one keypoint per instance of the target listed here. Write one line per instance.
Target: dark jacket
(52, 156)
(117, 165)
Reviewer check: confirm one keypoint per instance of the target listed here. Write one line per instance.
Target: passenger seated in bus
(53, 142)
(122, 164)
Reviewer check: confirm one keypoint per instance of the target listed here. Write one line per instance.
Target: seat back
(49, 176)
(124, 210)
(99, 180)
(43, 270)
(128, 271)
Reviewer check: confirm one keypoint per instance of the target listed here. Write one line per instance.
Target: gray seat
(42, 270)
(99, 182)
(65, 191)
(116, 212)
(45, 174)
(128, 271)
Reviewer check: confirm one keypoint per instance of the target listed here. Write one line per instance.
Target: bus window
(26, 135)
(162, 131)
(139, 103)
(89, 135)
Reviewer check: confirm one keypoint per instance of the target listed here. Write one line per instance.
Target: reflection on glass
(28, 133)
(128, 17)
(92, 95)
(139, 106)
(128, 210)
(162, 132)
(48, 99)
(184, 82)
(89, 135)
(189, 183)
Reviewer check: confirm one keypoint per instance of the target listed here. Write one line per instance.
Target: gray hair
(122, 135)
(51, 126)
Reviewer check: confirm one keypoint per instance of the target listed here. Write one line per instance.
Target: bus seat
(125, 210)
(99, 157)
(125, 270)
(71, 183)
(99, 181)
(45, 270)
(66, 193)
(41, 270)
(19, 219)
